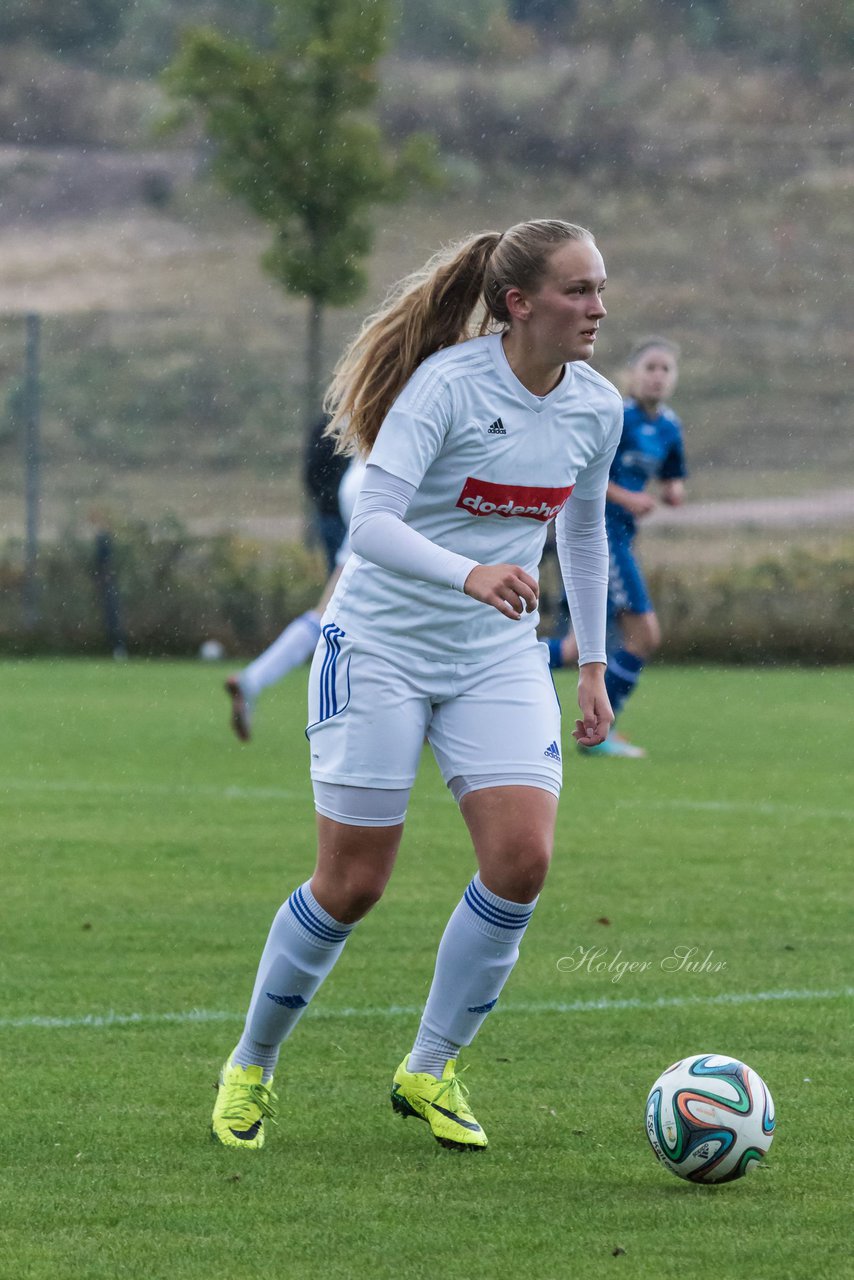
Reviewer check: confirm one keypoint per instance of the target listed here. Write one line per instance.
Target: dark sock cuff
(628, 661)
(555, 644)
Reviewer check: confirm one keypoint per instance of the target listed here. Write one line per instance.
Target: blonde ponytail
(426, 312)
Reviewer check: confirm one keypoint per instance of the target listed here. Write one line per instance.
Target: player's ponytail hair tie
(433, 309)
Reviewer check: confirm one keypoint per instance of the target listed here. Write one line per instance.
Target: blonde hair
(431, 310)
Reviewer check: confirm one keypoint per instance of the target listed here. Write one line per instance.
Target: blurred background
(200, 200)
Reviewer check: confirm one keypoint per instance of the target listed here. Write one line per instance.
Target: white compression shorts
(361, 806)
(373, 807)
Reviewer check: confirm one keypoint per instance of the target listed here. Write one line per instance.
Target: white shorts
(369, 716)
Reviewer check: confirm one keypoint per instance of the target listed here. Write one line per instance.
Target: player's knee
(520, 871)
(534, 870)
(643, 635)
(653, 633)
(350, 894)
(360, 891)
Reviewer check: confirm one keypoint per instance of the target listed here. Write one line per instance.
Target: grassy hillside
(172, 366)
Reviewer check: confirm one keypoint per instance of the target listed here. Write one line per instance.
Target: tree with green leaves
(294, 138)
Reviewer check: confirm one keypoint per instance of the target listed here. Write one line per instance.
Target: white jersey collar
(519, 390)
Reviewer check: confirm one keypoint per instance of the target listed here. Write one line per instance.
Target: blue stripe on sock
(306, 921)
(309, 920)
(331, 929)
(622, 673)
(515, 923)
(492, 914)
(621, 676)
(526, 909)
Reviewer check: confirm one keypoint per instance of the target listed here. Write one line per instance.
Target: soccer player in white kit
(474, 445)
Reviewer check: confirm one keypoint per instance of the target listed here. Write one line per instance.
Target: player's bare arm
(638, 504)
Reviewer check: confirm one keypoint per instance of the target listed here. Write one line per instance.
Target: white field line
(211, 791)
(105, 1021)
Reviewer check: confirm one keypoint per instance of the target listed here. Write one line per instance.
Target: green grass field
(144, 852)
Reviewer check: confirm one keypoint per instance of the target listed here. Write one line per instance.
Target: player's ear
(517, 303)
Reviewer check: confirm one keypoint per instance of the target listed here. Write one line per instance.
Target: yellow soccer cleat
(442, 1103)
(242, 1105)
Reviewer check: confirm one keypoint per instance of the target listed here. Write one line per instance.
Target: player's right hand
(596, 714)
(505, 587)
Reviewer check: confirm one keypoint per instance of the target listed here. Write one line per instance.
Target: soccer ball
(709, 1118)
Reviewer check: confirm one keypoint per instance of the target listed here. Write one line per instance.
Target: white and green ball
(709, 1118)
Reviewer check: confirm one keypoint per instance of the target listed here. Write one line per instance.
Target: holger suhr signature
(682, 959)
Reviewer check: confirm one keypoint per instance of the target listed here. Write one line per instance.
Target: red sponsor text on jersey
(533, 502)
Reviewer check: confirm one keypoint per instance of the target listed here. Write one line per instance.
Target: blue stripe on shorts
(329, 705)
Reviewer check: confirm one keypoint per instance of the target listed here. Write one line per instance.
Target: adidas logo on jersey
(497, 428)
(552, 752)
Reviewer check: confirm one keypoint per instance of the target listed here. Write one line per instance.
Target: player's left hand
(597, 716)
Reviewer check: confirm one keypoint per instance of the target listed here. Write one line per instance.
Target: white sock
(291, 649)
(476, 956)
(303, 944)
(431, 1052)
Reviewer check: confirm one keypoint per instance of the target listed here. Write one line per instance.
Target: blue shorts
(627, 591)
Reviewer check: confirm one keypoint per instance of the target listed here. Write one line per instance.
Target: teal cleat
(615, 745)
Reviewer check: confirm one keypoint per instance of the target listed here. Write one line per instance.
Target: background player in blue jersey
(650, 448)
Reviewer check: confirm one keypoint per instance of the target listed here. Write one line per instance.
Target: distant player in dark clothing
(322, 473)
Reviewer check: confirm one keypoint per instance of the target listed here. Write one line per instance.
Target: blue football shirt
(650, 448)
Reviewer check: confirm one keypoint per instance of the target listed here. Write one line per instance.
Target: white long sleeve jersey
(492, 464)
